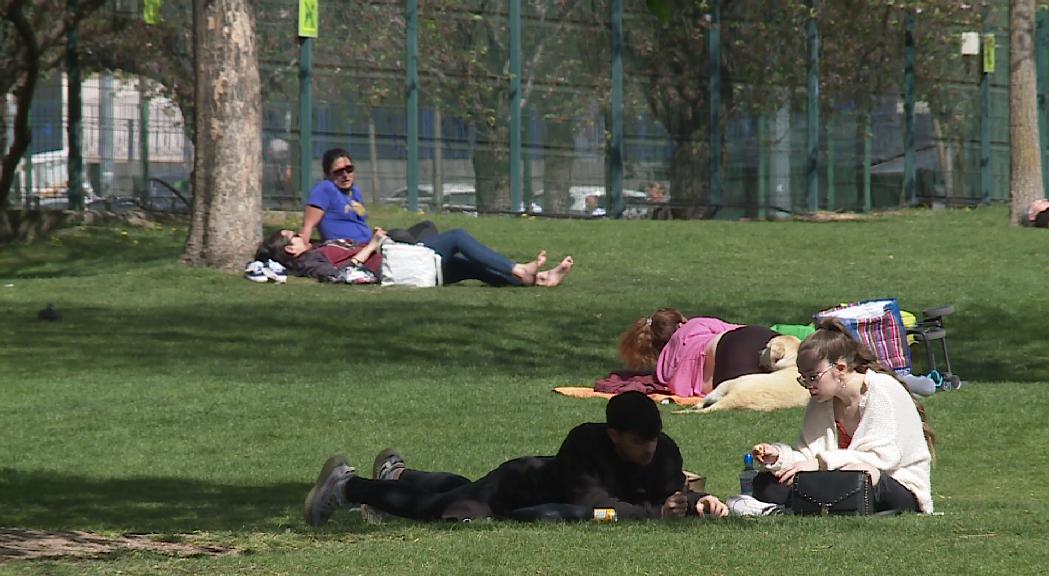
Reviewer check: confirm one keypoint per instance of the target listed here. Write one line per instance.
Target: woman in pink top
(692, 355)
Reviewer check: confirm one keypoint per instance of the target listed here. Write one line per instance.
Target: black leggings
(888, 493)
(739, 352)
(443, 496)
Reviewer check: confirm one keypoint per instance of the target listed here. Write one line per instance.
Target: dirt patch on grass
(21, 544)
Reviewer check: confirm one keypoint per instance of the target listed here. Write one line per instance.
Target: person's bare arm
(311, 217)
(362, 256)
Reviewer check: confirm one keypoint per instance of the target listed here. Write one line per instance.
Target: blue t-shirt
(344, 213)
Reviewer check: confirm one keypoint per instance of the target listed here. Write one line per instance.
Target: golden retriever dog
(764, 392)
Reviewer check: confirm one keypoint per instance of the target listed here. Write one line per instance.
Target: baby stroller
(929, 330)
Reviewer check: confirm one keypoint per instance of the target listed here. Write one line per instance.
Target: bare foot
(555, 275)
(528, 272)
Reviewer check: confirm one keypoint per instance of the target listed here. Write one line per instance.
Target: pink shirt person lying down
(680, 350)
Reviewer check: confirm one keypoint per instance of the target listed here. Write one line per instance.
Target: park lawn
(196, 406)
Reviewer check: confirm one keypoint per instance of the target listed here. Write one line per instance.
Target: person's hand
(676, 506)
(710, 505)
(378, 234)
(786, 475)
(765, 453)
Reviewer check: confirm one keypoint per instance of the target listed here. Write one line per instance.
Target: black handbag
(835, 492)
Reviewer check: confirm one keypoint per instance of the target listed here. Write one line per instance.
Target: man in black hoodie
(626, 463)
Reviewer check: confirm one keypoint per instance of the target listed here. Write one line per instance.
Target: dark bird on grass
(49, 313)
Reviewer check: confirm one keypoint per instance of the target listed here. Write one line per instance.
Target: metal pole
(714, 87)
(762, 166)
(305, 116)
(909, 171)
(985, 119)
(75, 157)
(814, 107)
(106, 129)
(831, 191)
(143, 138)
(438, 162)
(1042, 44)
(515, 105)
(615, 176)
(868, 146)
(411, 82)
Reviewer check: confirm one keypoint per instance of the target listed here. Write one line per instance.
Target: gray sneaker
(386, 463)
(327, 494)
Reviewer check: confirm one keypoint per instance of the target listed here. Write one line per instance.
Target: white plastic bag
(410, 265)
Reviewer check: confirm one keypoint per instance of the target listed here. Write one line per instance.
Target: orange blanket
(587, 392)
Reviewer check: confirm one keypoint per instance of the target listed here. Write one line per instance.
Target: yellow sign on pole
(151, 12)
(989, 46)
(308, 18)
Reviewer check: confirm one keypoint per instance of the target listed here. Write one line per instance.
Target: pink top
(680, 364)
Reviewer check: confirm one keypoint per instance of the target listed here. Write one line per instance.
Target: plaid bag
(878, 325)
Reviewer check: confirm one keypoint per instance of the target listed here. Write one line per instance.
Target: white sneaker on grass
(256, 272)
(328, 494)
(745, 505)
(275, 271)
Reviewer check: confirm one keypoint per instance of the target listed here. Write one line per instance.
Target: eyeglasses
(808, 381)
(344, 171)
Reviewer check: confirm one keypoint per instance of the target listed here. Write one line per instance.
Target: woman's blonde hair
(641, 343)
(833, 342)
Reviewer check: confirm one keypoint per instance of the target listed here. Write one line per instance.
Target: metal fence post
(143, 139)
(615, 185)
(305, 116)
(714, 97)
(909, 171)
(411, 81)
(985, 112)
(515, 105)
(814, 107)
(868, 146)
(75, 194)
(1042, 44)
(762, 166)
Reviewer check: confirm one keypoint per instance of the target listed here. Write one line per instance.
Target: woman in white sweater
(860, 417)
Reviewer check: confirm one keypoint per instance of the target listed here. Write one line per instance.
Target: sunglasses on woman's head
(345, 170)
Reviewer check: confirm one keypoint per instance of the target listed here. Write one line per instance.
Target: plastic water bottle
(746, 477)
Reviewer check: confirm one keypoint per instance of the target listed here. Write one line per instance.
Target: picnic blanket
(588, 392)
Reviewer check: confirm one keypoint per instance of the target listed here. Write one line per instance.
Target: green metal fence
(738, 109)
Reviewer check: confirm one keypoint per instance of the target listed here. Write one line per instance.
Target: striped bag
(879, 325)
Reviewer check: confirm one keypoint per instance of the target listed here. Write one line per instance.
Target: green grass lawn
(195, 405)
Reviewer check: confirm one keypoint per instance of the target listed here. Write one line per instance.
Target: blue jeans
(464, 258)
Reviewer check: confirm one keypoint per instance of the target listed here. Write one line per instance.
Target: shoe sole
(330, 465)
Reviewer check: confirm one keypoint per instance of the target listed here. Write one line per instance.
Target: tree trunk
(226, 226)
(945, 153)
(373, 158)
(23, 98)
(689, 193)
(491, 162)
(557, 167)
(1025, 178)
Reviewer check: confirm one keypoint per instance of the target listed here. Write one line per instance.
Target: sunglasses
(344, 171)
(808, 381)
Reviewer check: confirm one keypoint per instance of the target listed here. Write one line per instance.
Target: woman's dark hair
(641, 343)
(330, 156)
(833, 342)
(272, 248)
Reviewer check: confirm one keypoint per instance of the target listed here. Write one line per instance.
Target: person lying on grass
(691, 356)
(860, 417)
(462, 258)
(626, 463)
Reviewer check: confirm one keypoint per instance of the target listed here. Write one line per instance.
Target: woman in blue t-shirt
(336, 207)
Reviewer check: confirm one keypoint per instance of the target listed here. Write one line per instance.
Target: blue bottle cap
(748, 460)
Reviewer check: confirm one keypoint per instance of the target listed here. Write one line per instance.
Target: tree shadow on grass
(304, 337)
(56, 501)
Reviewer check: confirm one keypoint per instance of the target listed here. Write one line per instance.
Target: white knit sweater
(889, 437)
